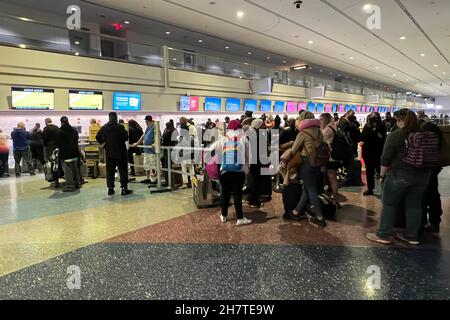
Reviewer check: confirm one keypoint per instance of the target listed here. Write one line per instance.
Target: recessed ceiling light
(422, 54)
(168, 32)
(444, 73)
(126, 22)
(249, 52)
(240, 14)
(284, 61)
(394, 75)
(77, 42)
(200, 41)
(22, 46)
(435, 65)
(310, 42)
(351, 58)
(367, 7)
(377, 68)
(24, 19)
(174, 59)
(268, 58)
(227, 47)
(246, 63)
(402, 38)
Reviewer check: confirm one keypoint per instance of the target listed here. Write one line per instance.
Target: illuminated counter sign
(33, 98)
(320, 107)
(188, 103)
(213, 104)
(85, 100)
(291, 107)
(127, 101)
(311, 107)
(233, 104)
(266, 106)
(279, 106)
(302, 106)
(250, 105)
(329, 108)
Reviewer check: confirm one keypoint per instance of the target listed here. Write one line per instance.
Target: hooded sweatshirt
(310, 134)
(21, 139)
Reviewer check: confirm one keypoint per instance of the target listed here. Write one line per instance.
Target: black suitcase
(291, 196)
(353, 178)
(265, 187)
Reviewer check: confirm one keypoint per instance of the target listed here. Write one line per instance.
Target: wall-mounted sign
(32, 98)
(188, 103)
(127, 101)
(213, 104)
(85, 100)
(233, 104)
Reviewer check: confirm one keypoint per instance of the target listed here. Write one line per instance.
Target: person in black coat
(69, 154)
(135, 132)
(373, 137)
(37, 145)
(114, 136)
(50, 134)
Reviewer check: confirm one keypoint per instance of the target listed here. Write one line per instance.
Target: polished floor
(160, 246)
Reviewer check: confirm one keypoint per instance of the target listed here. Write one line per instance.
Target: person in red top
(4, 154)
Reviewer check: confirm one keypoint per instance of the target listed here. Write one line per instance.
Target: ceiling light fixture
(351, 58)
(249, 53)
(77, 53)
(200, 41)
(402, 38)
(301, 67)
(126, 22)
(77, 42)
(227, 47)
(310, 42)
(24, 19)
(367, 7)
(268, 58)
(435, 65)
(422, 54)
(22, 46)
(168, 33)
(240, 14)
(284, 61)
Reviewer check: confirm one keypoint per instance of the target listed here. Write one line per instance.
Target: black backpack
(341, 148)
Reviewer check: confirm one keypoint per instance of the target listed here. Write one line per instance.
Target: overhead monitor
(213, 104)
(328, 108)
(358, 108)
(85, 100)
(375, 109)
(291, 107)
(189, 103)
(250, 105)
(302, 106)
(127, 101)
(341, 108)
(348, 107)
(33, 98)
(233, 104)
(266, 105)
(279, 106)
(311, 107)
(320, 107)
(335, 107)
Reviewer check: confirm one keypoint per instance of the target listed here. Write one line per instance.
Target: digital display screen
(233, 104)
(213, 104)
(266, 105)
(188, 103)
(311, 107)
(329, 108)
(353, 107)
(85, 100)
(33, 99)
(320, 108)
(279, 106)
(335, 108)
(291, 107)
(358, 108)
(363, 108)
(127, 101)
(348, 107)
(250, 105)
(375, 109)
(302, 106)
(341, 108)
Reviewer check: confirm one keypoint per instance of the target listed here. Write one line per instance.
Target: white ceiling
(337, 27)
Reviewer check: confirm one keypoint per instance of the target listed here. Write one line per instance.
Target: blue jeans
(309, 176)
(408, 189)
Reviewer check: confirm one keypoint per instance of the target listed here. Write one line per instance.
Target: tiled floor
(160, 246)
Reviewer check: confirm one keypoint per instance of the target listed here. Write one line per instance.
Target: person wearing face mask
(373, 138)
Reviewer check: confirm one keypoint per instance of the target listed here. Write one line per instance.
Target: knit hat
(234, 125)
(306, 115)
(257, 123)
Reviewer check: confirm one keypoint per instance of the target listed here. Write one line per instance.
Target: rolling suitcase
(265, 187)
(353, 178)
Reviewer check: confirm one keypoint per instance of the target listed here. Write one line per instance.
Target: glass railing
(42, 36)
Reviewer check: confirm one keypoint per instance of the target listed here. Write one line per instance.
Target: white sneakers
(240, 222)
(244, 221)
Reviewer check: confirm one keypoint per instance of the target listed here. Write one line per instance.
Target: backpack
(341, 147)
(212, 168)
(422, 150)
(319, 155)
(231, 155)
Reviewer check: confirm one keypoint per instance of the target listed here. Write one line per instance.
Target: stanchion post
(158, 154)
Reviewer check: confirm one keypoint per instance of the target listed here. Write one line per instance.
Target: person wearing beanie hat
(257, 124)
(232, 175)
(308, 137)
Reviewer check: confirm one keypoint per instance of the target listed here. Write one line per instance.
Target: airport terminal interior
(118, 120)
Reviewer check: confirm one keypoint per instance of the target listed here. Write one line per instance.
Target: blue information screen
(312, 107)
(127, 101)
(213, 104)
(279, 106)
(233, 104)
(347, 107)
(320, 107)
(353, 107)
(266, 105)
(250, 105)
(335, 108)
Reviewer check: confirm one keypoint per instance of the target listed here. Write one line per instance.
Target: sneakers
(401, 236)
(126, 192)
(295, 217)
(111, 192)
(223, 219)
(374, 237)
(243, 221)
(254, 206)
(319, 222)
(368, 193)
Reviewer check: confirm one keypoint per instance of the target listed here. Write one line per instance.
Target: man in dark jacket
(50, 134)
(21, 145)
(114, 136)
(69, 154)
